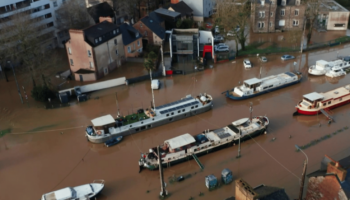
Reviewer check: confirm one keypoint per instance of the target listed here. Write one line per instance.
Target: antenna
(154, 105)
(116, 100)
(251, 111)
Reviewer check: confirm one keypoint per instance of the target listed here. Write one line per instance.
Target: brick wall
(244, 191)
(144, 31)
(256, 17)
(134, 47)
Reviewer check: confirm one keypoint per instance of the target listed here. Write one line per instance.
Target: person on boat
(140, 165)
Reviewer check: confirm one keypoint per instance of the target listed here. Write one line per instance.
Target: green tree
(150, 62)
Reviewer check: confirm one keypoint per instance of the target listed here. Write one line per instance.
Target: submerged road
(47, 149)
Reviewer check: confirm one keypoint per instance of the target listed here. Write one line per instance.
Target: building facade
(184, 44)
(151, 29)
(277, 15)
(44, 13)
(132, 41)
(95, 51)
(201, 8)
(332, 16)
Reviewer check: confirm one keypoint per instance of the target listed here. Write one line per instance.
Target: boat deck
(336, 93)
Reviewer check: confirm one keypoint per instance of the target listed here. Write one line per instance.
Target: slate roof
(154, 26)
(182, 8)
(270, 193)
(100, 10)
(104, 31)
(129, 33)
(166, 12)
(155, 16)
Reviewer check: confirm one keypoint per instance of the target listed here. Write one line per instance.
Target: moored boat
(183, 147)
(254, 87)
(83, 191)
(314, 102)
(113, 141)
(106, 127)
(335, 72)
(322, 66)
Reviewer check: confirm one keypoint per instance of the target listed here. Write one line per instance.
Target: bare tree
(294, 37)
(312, 11)
(234, 16)
(73, 15)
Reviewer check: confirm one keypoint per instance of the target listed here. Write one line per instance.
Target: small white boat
(321, 68)
(336, 72)
(86, 191)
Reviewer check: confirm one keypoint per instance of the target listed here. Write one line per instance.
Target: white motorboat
(321, 68)
(86, 191)
(336, 72)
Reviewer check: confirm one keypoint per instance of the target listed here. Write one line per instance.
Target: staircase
(197, 160)
(326, 112)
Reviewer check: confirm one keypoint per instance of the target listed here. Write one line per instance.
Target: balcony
(13, 7)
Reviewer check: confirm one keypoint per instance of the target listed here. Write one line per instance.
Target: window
(114, 32)
(296, 12)
(329, 102)
(282, 12)
(196, 106)
(129, 49)
(192, 107)
(100, 39)
(178, 111)
(49, 15)
(49, 25)
(283, 2)
(91, 65)
(55, 4)
(261, 24)
(295, 22)
(339, 25)
(116, 52)
(145, 33)
(172, 113)
(115, 41)
(324, 104)
(271, 14)
(96, 41)
(89, 53)
(141, 25)
(71, 61)
(117, 30)
(183, 110)
(261, 14)
(297, 2)
(137, 34)
(167, 115)
(270, 24)
(69, 50)
(138, 42)
(47, 6)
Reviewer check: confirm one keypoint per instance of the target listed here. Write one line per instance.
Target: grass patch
(343, 39)
(4, 132)
(253, 49)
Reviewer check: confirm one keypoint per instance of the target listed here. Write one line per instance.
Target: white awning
(104, 120)
(240, 121)
(180, 141)
(313, 96)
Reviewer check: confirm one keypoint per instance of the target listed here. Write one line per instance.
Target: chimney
(244, 191)
(334, 167)
(262, 2)
(101, 19)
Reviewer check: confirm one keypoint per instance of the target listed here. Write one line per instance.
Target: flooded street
(47, 149)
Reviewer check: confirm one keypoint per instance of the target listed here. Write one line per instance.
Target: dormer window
(100, 39)
(96, 41)
(117, 30)
(297, 2)
(137, 34)
(283, 2)
(114, 32)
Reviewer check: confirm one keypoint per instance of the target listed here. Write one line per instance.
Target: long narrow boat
(183, 147)
(106, 127)
(254, 87)
(314, 102)
(83, 191)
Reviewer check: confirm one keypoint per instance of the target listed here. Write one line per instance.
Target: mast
(154, 105)
(116, 100)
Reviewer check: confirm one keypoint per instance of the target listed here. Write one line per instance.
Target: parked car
(263, 59)
(222, 48)
(233, 32)
(287, 57)
(217, 30)
(208, 25)
(218, 38)
(247, 63)
(220, 44)
(155, 84)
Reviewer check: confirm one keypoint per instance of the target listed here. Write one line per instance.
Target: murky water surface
(57, 154)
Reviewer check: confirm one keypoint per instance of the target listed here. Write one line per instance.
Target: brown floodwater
(47, 149)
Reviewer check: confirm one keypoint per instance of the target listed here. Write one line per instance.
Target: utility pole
(163, 192)
(116, 99)
(154, 105)
(14, 74)
(161, 51)
(302, 181)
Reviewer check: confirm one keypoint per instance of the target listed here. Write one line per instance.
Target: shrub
(42, 93)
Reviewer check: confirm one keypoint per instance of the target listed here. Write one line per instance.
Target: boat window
(137, 129)
(195, 150)
(340, 99)
(178, 111)
(265, 88)
(172, 113)
(170, 119)
(141, 122)
(153, 119)
(196, 106)
(192, 107)
(149, 126)
(169, 158)
(329, 102)
(167, 115)
(324, 104)
(130, 125)
(183, 110)
(143, 128)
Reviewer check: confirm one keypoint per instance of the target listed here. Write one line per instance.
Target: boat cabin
(252, 83)
(179, 143)
(62, 194)
(321, 64)
(310, 100)
(102, 124)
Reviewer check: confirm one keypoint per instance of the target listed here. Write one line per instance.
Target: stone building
(277, 15)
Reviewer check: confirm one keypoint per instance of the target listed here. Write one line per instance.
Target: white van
(155, 84)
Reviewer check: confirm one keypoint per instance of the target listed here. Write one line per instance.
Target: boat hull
(315, 112)
(230, 96)
(216, 148)
(104, 138)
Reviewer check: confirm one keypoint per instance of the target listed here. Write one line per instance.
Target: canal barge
(186, 146)
(79, 192)
(254, 86)
(106, 127)
(314, 103)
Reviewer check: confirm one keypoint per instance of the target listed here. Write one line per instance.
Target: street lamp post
(304, 173)
(14, 74)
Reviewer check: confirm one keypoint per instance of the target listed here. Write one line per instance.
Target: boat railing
(100, 181)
